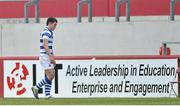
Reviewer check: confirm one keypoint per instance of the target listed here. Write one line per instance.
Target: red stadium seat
(168, 51)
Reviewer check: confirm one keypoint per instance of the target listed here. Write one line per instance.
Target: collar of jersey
(48, 29)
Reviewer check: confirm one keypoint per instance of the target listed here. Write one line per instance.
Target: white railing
(79, 9)
(26, 6)
(172, 8)
(117, 9)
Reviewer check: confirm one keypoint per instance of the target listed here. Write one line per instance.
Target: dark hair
(51, 19)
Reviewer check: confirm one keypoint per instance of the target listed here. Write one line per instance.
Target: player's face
(53, 26)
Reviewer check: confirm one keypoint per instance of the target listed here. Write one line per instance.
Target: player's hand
(52, 60)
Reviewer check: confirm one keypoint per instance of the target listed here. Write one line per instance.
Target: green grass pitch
(91, 101)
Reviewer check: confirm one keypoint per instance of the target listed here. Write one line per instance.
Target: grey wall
(109, 38)
(20, 39)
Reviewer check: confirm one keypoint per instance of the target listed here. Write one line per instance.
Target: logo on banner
(17, 77)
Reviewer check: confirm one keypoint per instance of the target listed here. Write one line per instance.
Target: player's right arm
(46, 47)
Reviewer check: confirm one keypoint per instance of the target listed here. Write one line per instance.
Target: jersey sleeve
(46, 35)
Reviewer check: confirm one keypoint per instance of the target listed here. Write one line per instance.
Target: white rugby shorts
(45, 62)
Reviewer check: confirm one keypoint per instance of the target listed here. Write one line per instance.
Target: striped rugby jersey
(46, 34)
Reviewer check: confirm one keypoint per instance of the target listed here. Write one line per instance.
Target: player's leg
(45, 63)
(39, 85)
(50, 75)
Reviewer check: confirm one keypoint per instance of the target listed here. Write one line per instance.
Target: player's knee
(52, 76)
